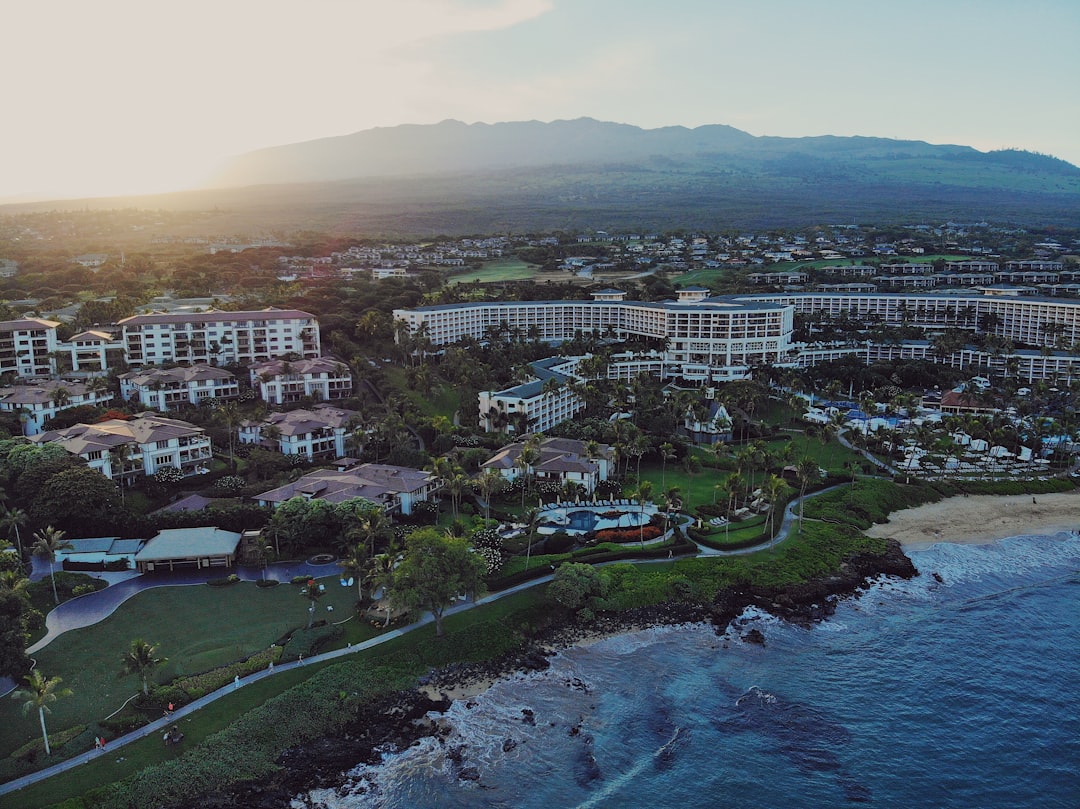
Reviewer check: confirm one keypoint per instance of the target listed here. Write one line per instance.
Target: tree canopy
(435, 572)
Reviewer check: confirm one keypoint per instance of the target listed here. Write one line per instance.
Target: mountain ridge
(452, 146)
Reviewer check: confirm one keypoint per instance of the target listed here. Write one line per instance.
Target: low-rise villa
(562, 460)
(38, 402)
(395, 488)
(165, 388)
(321, 432)
(124, 449)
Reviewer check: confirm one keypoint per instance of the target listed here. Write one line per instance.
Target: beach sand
(982, 518)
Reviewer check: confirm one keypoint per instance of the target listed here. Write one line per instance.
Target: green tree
(13, 609)
(574, 584)
(355, 563)
(79, 500)
(39, 694)
(46, 543)
(381, 574)
(434, 572)
(141, 659)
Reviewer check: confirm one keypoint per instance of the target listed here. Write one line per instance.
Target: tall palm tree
(381, 574)
(229, 415)
(141, 659)
(644, 495)
(667, 453)
(47, 542)
(355, 563)
(525, 460)
(11, 519)
(487, 484)
(312, 592)
(39, 694)
(807, 472)
(773, 487)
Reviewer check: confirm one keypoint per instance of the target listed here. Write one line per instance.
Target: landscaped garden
(198, 628)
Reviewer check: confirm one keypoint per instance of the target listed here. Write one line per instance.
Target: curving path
(92, 612)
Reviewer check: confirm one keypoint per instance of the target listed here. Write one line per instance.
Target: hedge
(198, 685)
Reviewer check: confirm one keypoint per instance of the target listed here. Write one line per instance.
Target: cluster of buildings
(703, 339)
(1031, 277)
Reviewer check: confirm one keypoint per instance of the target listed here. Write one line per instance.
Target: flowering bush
(230, 484)
(628, 534)
(168, 475)
(492, 559)
(486, 538)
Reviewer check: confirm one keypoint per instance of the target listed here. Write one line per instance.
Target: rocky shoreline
(400, 720)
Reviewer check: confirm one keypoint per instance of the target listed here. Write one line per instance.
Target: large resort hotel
(715, 339)
(701, 334)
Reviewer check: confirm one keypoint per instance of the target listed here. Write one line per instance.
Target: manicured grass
(420, 646)
(503, 269)
(198, 628)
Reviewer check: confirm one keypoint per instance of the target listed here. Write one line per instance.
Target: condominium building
(27, 346)
(285, 381)
(167, 388)
(40, 401)
(221, 338)
(123, 450)
(321, 432)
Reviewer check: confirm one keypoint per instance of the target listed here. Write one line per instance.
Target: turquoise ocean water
(959, 693)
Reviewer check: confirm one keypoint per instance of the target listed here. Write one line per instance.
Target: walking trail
(94, 607)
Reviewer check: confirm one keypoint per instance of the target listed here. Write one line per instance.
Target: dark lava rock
(938, 579)
(754, 636)
(528, 717)
(508, 745)
(469, 774)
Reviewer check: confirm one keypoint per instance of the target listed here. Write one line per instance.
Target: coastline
(981, 519)
(402, 719)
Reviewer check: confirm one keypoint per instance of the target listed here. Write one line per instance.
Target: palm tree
(487, 484)
(807, 472)
(141, 659)
(40, 693)
(456, 486)
(355, 562)
(644, 495)
(229, 414)
(11, 520)
(667, 453)
(525, 460)
(773, 487)
(381, 574)
(48, 542)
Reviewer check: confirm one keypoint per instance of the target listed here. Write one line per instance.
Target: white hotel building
(712, 339)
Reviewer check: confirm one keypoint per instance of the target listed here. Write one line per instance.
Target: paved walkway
(162, 724)
(93, 611)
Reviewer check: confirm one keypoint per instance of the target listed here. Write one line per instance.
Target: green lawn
(502, 269)
(443, 400)
(198, 628)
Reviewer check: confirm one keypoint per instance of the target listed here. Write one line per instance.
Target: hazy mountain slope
(453, 147)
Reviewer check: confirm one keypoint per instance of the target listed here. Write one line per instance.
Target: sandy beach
(982, 518)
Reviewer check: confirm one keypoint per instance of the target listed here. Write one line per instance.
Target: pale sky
(130, 96)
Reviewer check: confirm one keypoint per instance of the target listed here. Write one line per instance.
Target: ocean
(963, 692)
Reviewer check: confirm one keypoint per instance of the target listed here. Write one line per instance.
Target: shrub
(209, 681)
(223, 580)
(267, 583)
(559, 542)
(82, 589)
